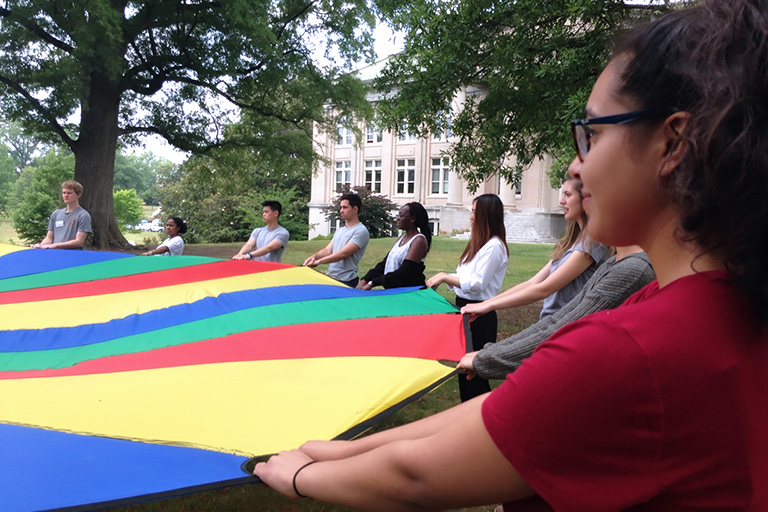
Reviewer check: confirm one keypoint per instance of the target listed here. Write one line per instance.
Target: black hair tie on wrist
(297, 474)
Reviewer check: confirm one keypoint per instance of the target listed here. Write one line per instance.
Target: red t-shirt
(661, 404)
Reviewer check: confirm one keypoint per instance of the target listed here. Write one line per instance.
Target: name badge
(59, 223)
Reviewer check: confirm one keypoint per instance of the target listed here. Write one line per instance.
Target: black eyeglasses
(582, 133)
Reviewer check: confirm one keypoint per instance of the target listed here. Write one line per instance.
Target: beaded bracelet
(297, 474)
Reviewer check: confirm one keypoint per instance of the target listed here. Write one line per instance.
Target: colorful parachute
(126, 378)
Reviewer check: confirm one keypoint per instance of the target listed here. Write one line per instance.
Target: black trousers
(351, 283)
(483, 331)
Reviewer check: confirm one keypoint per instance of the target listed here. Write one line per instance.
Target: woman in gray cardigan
(613, 282)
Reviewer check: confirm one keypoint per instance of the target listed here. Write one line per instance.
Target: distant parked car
(146, 225)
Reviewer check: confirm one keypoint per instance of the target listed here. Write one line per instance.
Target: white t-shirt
(175, 246)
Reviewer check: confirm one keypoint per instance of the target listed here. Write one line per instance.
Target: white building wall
(449, 211)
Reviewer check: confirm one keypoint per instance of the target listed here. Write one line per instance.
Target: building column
(507, 194)
(455, 186)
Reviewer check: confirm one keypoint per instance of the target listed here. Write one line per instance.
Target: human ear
(676, 144)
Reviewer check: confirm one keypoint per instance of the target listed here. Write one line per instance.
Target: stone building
(407, 168)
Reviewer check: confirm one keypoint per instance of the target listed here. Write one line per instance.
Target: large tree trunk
(95, 160)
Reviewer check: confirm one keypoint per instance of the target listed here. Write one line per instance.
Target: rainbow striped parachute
(127, 378)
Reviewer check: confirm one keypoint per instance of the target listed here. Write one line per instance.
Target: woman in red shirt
(658, 404)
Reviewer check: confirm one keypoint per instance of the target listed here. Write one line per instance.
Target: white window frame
(405, 173)
(373, 134)
(403, 136)
(342, 174)
(444, 134)
(344, 136)
(373, 175)
(440, 169)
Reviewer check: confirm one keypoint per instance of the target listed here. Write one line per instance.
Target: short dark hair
(354, 200)
(275, 205)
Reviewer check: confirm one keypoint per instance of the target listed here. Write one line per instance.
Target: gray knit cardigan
(608, 288)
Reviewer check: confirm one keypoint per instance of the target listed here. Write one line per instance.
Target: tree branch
(40, 108)
(36, 29)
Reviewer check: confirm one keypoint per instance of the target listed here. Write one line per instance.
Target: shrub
(127, 208)
(376, 214)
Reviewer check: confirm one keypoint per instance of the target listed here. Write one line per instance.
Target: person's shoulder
(494, 244)
(636, 261)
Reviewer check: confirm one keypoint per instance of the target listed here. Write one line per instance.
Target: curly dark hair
(711, 61)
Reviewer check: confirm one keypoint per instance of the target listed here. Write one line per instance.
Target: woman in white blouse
(479, 276)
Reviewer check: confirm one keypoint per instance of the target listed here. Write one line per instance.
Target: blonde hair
(73, 185)
(573, 232)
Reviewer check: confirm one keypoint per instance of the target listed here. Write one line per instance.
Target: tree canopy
(536, 59)
(220, 194)
(88, 72)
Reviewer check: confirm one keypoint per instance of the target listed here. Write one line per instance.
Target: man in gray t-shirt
(68, 227)
(269, 242)
(346, 249)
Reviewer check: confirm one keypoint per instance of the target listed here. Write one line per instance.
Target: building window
(404, 136)
(373, 134)
(440, 169)
(335, 224)
(345, 136)
(373, 175)
(443, 128)
(343, 174)
(406, 176)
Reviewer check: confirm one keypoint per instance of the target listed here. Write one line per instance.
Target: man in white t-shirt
(68, 227)
(346, 249)
(269, 242)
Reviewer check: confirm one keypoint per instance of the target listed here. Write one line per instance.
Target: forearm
(515, 289)
(457, 466)
(376, 272)
(48, 240)
(320, 254)
(162, 249)
(75, 243)
(335, 256)
(375, 480)
(332, 450)
(261, 251)
(523, 297)
(247, 247)
(452, 280)
(410, 273)
(496, 360)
